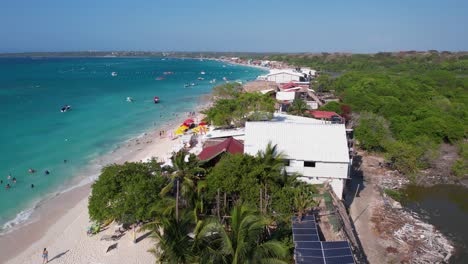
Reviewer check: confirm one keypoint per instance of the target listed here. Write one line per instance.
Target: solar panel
(303, 252)
(305, 225)
(340, 260)
(309, 260)
(335, 244)
(308, 245)
(337, 252)
(304, 238)
(304, 231)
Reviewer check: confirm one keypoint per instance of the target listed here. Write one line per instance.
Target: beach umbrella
(202, 123)
(188, 122)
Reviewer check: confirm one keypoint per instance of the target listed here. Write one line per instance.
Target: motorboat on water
(129, 99)
(193, 84)
(65, 108)
(114, 74)
(200, 78)
(156, 99)
(202, 73)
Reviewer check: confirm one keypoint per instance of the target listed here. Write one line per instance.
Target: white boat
(129, 99)
(114, 74)
(202, 73)
(65, 108)
(200, 78)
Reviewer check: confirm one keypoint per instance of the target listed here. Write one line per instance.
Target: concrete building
(316, 149)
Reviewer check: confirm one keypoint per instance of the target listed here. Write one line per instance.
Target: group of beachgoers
(12, 180)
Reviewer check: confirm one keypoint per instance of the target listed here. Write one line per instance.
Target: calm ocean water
(35, 134)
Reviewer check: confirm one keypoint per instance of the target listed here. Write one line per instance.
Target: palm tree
(244, 240)
(173, 242)
(272, 161)
(303, 201)
(184, 179)
(298, 107)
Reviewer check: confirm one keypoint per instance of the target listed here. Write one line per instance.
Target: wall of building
(333, 173)
(283, 78)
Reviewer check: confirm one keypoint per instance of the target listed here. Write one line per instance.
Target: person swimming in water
(32, 186)
(9, 176)
(7, 186)
(31, 170)
(47, 172)
(14, 180)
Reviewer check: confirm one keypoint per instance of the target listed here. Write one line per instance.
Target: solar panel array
(310, 250)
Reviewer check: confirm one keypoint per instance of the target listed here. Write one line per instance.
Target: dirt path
(362, 206)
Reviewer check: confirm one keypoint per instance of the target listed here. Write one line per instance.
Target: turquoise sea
(35, 134)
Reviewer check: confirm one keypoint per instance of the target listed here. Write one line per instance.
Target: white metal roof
(285, 96)
(313, 141)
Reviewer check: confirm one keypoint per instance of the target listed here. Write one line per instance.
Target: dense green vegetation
(238, 211)
(233, 108)
(404, 104)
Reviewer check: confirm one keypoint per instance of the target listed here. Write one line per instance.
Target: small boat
(168, 73)
(193, 84)
(160, 78)
(65, 108)
(114, 74)
(202, 73)
(129, 99)
(186, 85)
(200, 78)
(156, 99)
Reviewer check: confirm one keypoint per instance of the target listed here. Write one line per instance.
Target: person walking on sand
(45, 256)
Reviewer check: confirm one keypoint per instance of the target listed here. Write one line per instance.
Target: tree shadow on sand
(59, 255)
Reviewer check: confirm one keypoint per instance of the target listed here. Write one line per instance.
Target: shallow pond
(446, 207)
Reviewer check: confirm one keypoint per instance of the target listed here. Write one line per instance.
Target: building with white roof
(315, 149)
(288, 75)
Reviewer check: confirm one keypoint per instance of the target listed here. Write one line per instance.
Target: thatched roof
(258, 86)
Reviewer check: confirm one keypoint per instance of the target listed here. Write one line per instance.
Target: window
(309, 164)
(286, 162)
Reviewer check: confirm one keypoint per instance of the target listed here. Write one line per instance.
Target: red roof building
(229, 145)
(323, 114)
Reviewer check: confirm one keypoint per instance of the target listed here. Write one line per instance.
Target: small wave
(20, 218)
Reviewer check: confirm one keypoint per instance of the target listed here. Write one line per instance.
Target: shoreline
(47, 218)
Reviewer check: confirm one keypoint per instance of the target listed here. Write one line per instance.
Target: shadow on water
(445, 207)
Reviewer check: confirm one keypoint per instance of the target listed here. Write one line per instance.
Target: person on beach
(45, 256)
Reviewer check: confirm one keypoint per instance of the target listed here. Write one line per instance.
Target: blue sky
(222, 25)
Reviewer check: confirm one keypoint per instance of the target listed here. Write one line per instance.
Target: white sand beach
(60, 224)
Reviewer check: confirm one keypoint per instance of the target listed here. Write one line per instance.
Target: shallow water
(446, 207)
(35, 134)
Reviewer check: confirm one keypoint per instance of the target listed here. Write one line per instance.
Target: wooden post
(357, 190)
(177, 201)
(261, 205)
(217, 206)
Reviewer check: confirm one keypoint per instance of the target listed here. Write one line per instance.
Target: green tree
(173, 245)
(243, 240)
(372, 132)
(298, 107)
(227, 90)
(332, 107)
(184, 179)
(125, 192)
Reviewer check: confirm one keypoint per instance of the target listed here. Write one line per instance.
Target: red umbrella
(188, 122)
(202, 123)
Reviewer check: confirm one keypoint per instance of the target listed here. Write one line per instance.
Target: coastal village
(348, 217)
(318, 147)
